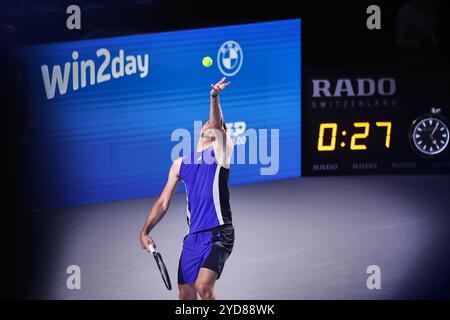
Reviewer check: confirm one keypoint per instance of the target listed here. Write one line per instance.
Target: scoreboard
(374, 121)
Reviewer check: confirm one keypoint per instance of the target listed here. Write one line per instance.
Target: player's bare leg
(205, 282)
(187, 292)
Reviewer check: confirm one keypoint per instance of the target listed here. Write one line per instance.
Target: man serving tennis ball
(210, 237)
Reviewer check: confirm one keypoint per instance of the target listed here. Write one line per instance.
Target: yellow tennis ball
(207, 62)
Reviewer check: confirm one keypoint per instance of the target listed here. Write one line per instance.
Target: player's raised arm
(161, 205)
(215, 111)
(223, 145)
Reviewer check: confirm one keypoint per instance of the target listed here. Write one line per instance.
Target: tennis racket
(161, 266)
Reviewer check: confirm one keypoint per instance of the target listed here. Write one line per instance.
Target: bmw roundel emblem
(230, 58)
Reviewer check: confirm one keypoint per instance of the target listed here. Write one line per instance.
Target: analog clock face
(430, 136)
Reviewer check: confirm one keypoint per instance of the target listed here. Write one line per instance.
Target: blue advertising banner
(107, 113)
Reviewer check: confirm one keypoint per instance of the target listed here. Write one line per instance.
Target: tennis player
(210, 237)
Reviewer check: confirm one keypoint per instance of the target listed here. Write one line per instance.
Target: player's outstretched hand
(218, 87)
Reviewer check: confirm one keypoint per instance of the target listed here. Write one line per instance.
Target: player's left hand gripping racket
(161, 266)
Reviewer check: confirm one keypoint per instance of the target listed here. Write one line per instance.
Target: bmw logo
(230, 58)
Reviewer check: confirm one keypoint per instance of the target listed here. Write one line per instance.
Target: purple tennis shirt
(207, 194)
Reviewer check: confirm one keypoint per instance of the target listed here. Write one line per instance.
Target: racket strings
(163, 270)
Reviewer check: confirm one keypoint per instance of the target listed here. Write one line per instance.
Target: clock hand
(437, 124)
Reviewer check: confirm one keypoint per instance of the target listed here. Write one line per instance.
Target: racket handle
(151, 248)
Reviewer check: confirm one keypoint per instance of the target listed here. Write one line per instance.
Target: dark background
(334, 33)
